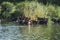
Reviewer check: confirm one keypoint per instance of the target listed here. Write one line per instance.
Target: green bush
(52, 12)
(30, 9)
(9, 8)
(58, 11)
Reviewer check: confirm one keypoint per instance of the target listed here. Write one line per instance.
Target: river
(29, 32)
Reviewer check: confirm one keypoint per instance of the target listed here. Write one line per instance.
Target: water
(29, 32)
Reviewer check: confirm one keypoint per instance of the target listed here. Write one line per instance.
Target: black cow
(24, 21)
(34, 22)
(13, 19)
(42, 20)
(55, 20)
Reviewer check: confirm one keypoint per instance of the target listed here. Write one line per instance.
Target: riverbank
(27, 21)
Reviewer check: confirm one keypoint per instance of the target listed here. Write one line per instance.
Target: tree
(52, 12)
(20, 8)
(8, 8)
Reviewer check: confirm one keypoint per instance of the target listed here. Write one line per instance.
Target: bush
(58, 11)
(30, 9)
(52, 12)
(34, 9)
(8, 9)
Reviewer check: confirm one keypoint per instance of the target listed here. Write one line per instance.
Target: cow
(55, 20)
(42, 21)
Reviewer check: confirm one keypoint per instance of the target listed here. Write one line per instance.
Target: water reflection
(29, 28)
(29, 32)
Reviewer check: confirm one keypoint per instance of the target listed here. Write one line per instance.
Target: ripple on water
(10, 33)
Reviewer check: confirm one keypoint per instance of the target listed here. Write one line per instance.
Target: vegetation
(56, 2)
(31, 9)
(7, 9)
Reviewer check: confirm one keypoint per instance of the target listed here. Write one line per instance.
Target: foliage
(30, 9)
(58, 11)
(20, 7)
(52, 12)
(8, 8)
(34, 10)
(56, 2)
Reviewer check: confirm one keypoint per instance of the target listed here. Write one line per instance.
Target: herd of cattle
(26, 21)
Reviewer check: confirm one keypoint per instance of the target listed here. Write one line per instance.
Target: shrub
(8, 9)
